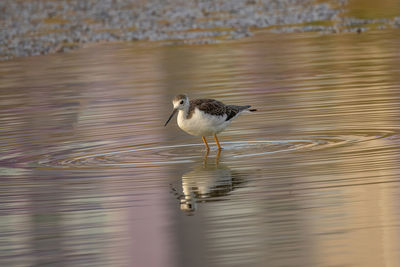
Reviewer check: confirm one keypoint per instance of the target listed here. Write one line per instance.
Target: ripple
(121, 157)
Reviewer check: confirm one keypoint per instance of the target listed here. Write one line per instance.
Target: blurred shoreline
(30, 28)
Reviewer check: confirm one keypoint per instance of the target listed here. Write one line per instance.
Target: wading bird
(204, 117)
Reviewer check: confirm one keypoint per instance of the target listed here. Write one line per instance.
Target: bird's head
(180, 102)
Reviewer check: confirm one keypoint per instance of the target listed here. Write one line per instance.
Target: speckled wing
(232, 110)
(209, 106)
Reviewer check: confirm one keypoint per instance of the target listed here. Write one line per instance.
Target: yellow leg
(205, 158)
(217, 157)
(205, 142)
(216, 141)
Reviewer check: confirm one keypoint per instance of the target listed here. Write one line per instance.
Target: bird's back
(209, 106)
(216, 108)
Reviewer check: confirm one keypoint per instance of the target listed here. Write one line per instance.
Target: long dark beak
(170, 117)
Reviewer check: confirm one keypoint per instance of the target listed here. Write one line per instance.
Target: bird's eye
(181, 102)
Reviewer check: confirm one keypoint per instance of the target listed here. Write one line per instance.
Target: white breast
(202, 124)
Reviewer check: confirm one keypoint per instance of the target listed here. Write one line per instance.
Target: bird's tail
(232, 111)
(248, 108)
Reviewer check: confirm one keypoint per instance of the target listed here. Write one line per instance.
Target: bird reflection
(206, 181)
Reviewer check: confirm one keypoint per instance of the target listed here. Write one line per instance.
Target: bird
(204, 117)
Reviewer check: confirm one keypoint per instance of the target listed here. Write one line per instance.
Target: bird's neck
(184, 112)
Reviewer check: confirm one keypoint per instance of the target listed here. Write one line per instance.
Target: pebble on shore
(40, 27)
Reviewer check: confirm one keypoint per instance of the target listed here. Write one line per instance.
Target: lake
(89, 175)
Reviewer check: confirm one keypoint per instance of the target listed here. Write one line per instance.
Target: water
(89, 176)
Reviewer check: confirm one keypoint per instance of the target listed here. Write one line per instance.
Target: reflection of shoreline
(205, 182)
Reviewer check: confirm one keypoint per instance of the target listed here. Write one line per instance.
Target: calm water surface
(90, 177)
